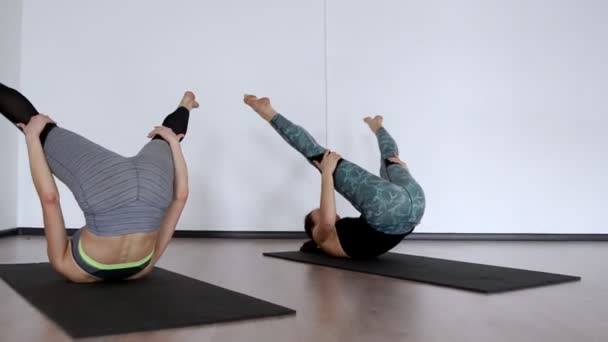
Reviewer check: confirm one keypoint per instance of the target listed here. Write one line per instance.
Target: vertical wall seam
(17, 136)
(325, 62)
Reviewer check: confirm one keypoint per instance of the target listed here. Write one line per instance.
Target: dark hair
(309, 224)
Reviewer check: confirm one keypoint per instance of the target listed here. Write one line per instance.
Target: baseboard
(207, 234)
(222, 234)
(217, 234)
(8, 232)
(29, 231)
(506, 237)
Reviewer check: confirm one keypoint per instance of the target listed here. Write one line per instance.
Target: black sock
(177, 121)
(18, 109)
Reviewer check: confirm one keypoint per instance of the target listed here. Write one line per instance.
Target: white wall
(497, 105)
(10, 27)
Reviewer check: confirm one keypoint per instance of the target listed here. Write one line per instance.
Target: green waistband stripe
(120, 266)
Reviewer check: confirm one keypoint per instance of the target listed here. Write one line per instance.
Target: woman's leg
(69, 155)
(178, 120)
(395, 172)
(388, 148)
(18, 109)
(298, 138)
(154, 162)
(400, 175)
(88, 169)
(384, 205)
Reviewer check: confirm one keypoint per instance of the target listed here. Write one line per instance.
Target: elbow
(328, 221)
(57, 263)
(181, 195)
(323, 232)
(327, 226)
(49, 198)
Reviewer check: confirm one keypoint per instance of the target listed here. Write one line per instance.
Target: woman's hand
(167, 134)
(35, 126)
(329, 162)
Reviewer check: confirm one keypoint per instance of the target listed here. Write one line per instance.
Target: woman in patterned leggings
(391, 205)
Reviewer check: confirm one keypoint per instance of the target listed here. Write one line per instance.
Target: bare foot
(261, 106)
(189, 101)
(374, 123)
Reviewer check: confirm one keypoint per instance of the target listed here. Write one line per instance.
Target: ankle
(270, 115)
(185, 106)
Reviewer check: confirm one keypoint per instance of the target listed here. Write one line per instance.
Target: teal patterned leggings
(393, 203)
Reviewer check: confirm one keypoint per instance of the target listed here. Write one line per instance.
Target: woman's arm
(328, 165)
(328, 208)
(54, 226)
(180, 197)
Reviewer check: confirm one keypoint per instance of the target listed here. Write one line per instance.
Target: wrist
(174, 144)
(328, 174)
(32, 138)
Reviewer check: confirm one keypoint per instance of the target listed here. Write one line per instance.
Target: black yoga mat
(162, 300)
(457, 274)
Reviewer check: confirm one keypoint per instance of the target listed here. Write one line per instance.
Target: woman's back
(118, 249)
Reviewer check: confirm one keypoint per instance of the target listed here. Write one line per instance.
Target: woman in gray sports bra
(131, 205)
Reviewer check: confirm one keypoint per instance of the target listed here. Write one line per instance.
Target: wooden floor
(334, 305)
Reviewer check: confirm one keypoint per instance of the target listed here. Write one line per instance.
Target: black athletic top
(360, 241)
